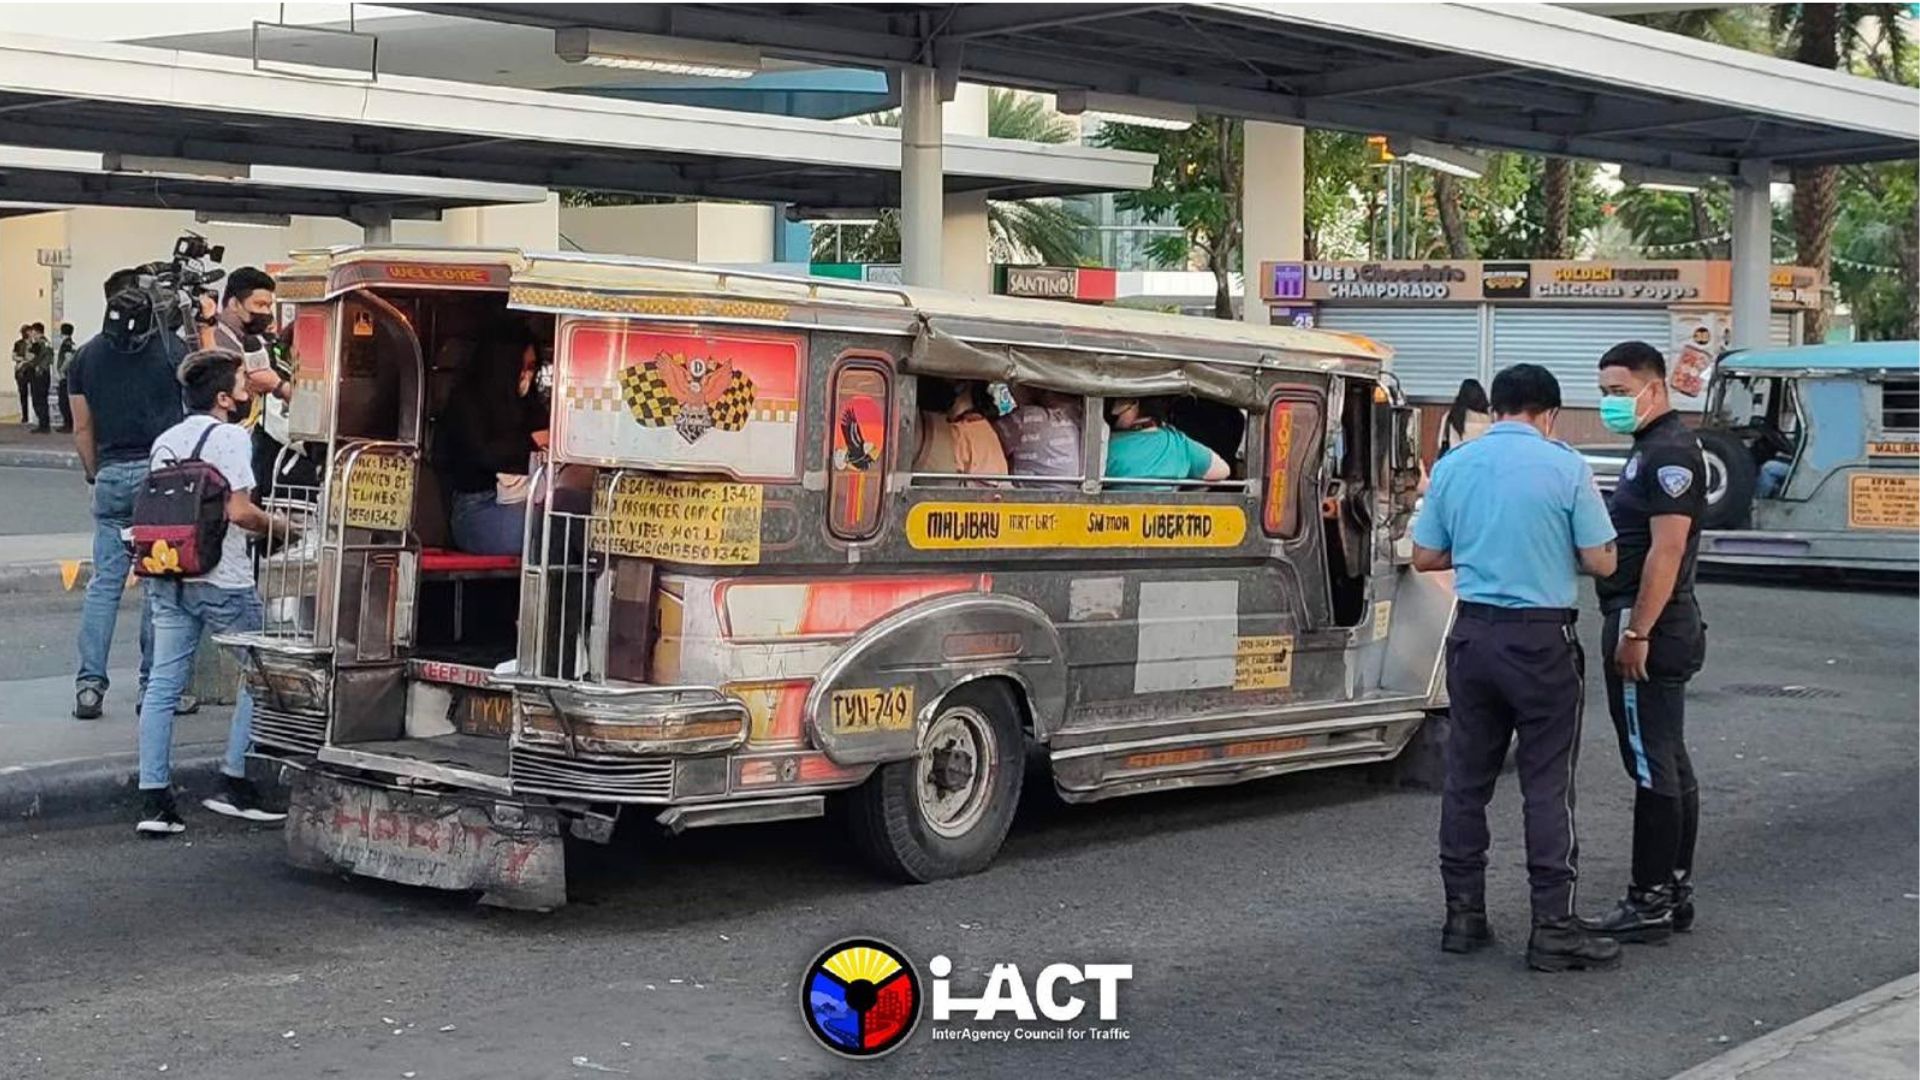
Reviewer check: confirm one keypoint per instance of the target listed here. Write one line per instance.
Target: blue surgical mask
(1621, 415)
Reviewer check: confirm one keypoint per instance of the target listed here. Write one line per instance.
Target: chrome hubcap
(1716, 478)
(954, 771)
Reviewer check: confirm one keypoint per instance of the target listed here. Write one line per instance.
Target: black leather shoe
(1467, 929)
(1643, 918)
(1683, 903)
(1565, 944)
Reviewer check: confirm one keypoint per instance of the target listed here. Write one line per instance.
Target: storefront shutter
(1780, 330)
(1569, 341)
(1433, 349)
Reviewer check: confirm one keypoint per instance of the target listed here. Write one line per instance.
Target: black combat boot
(1645, 917)
(1682, 902)
(1467, 929)
(1565, 944)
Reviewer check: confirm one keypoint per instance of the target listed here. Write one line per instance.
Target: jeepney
(1813, 459)
(739, 601)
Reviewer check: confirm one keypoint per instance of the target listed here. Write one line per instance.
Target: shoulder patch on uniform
(1633, 468)
(1674, 479)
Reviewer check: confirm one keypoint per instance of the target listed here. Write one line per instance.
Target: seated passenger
(1143, 448)
(1042, 434)
(955, 434)
(491, 426)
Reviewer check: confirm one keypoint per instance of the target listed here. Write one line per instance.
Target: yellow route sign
(1883, 500)
(1263, 663)
(944, 526)
(683, 521)
(380, 492)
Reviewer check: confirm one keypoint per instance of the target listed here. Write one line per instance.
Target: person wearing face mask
(492, 424)
(1516, 516)
(244, 325)
(1653, 635)
(222, 600)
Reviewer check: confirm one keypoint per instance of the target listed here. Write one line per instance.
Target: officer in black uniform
(1653, 637)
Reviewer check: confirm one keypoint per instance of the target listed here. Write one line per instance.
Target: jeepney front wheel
(945, 811)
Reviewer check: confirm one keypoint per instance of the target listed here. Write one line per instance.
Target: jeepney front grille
(543, 772)
(289, 731)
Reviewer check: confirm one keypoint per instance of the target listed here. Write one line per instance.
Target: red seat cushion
(444, 561)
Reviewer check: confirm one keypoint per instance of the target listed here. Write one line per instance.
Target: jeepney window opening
(1294, 454)
(860, 442)
(1220, 427)
(1900, 403)
(936, 396)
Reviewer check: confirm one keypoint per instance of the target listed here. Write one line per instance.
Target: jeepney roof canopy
(1107, 351)
(1851, 356)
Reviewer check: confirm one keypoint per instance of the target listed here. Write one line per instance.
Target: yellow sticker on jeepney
(1263, 663)
(1894, 448)
(685, 521)
(1879, 500)
(1382, 619)
(878, 708)
(943, 526)
(380, 492)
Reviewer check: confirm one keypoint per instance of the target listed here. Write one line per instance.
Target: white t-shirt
(230, 450)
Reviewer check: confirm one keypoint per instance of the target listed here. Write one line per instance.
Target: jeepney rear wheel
(945, 811)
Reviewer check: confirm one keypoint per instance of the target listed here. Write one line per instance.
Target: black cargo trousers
(1513, 671)
(1650, 720)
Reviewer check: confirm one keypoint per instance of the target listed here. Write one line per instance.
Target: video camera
(166, 295)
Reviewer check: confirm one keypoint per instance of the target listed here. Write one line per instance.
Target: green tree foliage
(1196, 185)
(1046, 230)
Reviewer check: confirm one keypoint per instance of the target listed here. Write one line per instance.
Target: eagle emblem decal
(692, 394)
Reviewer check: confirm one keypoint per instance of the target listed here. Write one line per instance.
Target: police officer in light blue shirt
(1517, 517)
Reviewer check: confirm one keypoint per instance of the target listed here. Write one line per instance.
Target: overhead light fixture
(833, 215)
(648, 52)
(1642, 176)
(1440, 157)
(1122, 109)
(242, 220)
(170, 166)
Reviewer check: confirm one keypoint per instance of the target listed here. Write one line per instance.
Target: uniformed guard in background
(1653, 637)
(1517, 517)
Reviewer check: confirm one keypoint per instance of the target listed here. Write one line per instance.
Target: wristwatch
(1632, 635)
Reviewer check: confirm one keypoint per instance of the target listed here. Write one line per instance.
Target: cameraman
(125, 394)
(244, 326)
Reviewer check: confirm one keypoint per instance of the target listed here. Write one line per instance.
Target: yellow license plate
(884, 708)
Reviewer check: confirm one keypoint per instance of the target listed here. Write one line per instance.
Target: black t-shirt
(1666, 474)
(132, 397)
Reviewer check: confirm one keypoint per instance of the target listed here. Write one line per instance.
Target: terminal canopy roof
(1510, 76)
(142, 101)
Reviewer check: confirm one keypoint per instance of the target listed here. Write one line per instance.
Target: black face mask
(240, 411)
(257, 324)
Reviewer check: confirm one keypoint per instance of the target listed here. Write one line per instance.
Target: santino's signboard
(1655, 284)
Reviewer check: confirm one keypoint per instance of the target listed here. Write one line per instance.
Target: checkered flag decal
(648, 398)
(730, 413)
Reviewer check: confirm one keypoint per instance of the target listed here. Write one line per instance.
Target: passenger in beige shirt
(955, 434)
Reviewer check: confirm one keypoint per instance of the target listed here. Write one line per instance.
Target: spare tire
(1730, 480)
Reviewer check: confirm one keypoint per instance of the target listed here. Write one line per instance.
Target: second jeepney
(738, 600)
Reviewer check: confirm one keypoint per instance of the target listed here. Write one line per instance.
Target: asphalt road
(44, 500)
(1287, 928)
(38, 631)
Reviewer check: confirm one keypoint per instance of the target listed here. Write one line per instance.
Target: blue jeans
(114, 489)
(181, 611)
(482, 525)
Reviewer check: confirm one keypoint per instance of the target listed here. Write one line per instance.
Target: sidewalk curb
(35, 796)
(42, 577)
(33, 457)
(1770, 1048)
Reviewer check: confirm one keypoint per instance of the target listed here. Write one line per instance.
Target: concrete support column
(1752, 242)
(376, 224)
(966, 262)
(922, 207)
(1273, 188)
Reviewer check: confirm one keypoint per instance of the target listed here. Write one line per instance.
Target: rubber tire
(1735, 459)
(885, 820)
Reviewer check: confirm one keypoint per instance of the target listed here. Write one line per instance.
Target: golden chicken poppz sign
(666, 398)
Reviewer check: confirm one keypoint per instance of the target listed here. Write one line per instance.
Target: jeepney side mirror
(1404, 449)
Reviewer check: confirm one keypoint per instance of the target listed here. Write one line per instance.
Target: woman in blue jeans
(483, 439)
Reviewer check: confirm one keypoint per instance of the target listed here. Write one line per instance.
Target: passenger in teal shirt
(1143, 447)
(1517, 511)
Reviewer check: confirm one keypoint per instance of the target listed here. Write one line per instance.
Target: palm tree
(1556, 190)
(1046, 230)
(1829, 36)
